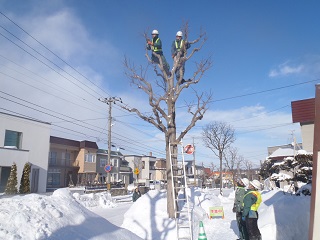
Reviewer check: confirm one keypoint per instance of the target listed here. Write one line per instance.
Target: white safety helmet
(155, 32)
(245, 181)
(256, 184)
(179, 34)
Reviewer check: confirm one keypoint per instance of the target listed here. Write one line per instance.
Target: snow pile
(67, 216)
(148, 218)
(58, 216)
(284, 216)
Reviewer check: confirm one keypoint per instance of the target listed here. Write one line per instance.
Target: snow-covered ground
(67, 215)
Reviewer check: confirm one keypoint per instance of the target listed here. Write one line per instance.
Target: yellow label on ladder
(216, 212)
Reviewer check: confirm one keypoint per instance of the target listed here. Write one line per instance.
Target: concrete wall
(34, 146)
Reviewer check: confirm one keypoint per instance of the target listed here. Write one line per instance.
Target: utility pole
(109, 101)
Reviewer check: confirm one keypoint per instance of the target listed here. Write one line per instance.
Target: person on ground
(241, 190)
(155, 45)
(250, 216)
(179, 46)
(136, 194)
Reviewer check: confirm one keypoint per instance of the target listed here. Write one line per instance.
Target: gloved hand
(149, 43)
(243, 219)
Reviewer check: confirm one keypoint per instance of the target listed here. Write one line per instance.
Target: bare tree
(232, 162)
(248, 167)
(163, 102)
(218, 136)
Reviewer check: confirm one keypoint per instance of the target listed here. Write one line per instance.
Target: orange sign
(188, 149)
(136, 171)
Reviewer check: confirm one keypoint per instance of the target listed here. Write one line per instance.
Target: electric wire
(53, 52)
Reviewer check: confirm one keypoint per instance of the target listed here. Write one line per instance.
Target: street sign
(107, 168)
(188, 149)
(136, 171)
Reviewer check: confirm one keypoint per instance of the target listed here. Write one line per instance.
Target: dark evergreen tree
(12, 183)
(25, 179)
(267, 169)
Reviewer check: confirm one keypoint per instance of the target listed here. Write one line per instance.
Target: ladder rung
(182, 211)
(183, 225)
(178, 176)
(181, 199)
(181, 187)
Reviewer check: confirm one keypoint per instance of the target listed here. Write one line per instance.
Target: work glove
(243, 219)
(149, 43)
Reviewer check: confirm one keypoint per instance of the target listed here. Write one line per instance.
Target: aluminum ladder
(181, 205)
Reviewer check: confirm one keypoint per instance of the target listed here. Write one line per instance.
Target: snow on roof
(282, 152)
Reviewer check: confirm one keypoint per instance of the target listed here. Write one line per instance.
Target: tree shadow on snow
(90, 228)
(167, 224)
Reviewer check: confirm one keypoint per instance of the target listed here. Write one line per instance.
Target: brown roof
(88, 144)
(73, 143)
(303, 111)
(64, 141)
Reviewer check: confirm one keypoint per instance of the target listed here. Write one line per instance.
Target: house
(120, 170)
(303, 112)
(144, 165)
(160, 169)
(24, 140)
(71, 162)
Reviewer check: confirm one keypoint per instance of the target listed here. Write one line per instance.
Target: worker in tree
(155, 46)
(251, 203)
(178, 53)
(241, 190)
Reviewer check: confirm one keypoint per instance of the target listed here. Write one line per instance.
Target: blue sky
(257, 48)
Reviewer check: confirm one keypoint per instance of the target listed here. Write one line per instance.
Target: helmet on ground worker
(256, 184)
(245, 182)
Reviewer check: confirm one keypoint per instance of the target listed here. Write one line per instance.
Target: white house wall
(307, 132)
(34, 146)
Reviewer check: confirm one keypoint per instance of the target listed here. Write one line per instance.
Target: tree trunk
(170, 181)
(220, 157)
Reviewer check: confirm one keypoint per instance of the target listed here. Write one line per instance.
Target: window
(53, 158)
(143, 164)
(152, 166)
(114, 177)
(66, 159)
(53, 177)
(12, 139)
(114, 162)
(103, 162)
(90, 158)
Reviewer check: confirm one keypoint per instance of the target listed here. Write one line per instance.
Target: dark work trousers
(252, 228)
(165, 64)
(243, 234)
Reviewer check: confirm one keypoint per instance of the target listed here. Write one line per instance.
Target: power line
(132, 142)
(57, 96)
(51, 67)
(44, 83)
(52, 52)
